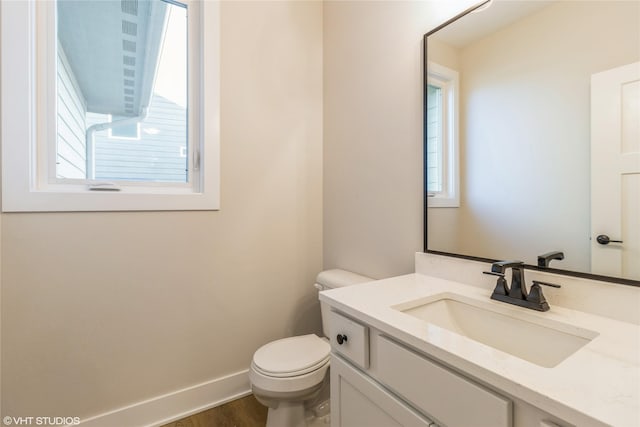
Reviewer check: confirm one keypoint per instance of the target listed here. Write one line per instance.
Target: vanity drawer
(442, 394)
(349, 338)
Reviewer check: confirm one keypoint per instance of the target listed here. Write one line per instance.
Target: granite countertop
(599, 384)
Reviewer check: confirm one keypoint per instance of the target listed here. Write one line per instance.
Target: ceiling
(485, 21)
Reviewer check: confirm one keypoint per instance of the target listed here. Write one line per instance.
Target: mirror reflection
(533, 135)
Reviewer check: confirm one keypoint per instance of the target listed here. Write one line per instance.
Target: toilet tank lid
(337, 278)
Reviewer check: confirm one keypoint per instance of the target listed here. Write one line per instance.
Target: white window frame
(448, 80)
(27, 117)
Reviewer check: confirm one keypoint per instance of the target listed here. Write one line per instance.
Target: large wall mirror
(532, 135)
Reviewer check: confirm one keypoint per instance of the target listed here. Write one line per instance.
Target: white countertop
(597, 385)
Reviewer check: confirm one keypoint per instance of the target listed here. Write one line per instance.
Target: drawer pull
(357, 347)
(341, 338)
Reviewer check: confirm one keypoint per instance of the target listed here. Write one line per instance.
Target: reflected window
(441, 137)
(434, 139)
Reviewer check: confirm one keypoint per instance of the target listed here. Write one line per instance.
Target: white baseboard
(175, 405)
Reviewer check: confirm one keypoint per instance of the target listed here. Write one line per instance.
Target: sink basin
(538, 340)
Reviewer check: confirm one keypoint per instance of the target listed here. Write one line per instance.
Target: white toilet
(291, 375)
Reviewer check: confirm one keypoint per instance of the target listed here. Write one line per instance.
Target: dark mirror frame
(610, 279)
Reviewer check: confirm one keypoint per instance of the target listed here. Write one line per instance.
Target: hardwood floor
(245, 412)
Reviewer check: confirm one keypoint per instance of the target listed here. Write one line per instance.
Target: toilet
(291, 375)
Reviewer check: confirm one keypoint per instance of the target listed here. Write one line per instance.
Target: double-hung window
(105, 105)
(441, 145)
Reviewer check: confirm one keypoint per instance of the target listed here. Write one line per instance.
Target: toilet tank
(331, 279)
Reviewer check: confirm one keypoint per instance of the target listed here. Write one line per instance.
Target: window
(114, 100)
(123, 131)
(441, 142)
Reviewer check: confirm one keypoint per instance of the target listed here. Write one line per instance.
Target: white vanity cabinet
(359, 401)
(379, 381)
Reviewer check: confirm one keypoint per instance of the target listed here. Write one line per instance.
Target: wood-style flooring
(245, 412)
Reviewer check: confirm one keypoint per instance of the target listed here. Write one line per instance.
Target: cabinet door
(357, 401)
(450, 398)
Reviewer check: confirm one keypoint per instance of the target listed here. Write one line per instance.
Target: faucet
(517, 293)
(545, 259)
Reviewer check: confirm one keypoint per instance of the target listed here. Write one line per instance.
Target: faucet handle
(553, 285)
(501, 289)
(536, 297)
(493, 273)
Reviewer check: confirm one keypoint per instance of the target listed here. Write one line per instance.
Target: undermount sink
(541, 341)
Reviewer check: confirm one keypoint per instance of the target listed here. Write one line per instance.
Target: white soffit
(112, 47)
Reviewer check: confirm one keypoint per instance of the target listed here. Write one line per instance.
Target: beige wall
(101, 310)
(540, 151)
(373, 204)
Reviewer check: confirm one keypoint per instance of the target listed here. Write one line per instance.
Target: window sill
(443, 202)
(123, 200)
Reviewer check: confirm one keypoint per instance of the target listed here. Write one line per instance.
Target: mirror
(515, 165)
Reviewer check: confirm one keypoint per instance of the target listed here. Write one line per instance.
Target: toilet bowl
(291, 375)
(286, 374)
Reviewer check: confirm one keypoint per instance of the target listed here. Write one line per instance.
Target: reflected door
(615, 172)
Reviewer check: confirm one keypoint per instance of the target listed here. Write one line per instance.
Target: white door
(615, 172)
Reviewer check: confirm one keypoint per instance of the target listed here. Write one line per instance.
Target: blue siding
(71, 123)
(156, 156)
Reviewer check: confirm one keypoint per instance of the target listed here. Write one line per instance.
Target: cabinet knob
(341, 338)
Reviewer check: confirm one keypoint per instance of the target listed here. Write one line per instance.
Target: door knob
(603, 239)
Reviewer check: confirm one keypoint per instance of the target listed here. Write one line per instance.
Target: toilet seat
(292, 373)
(291, 364)
(266, 384)
(293, 356)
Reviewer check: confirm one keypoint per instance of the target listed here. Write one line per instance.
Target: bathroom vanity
(421, 350)
(449, 346)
